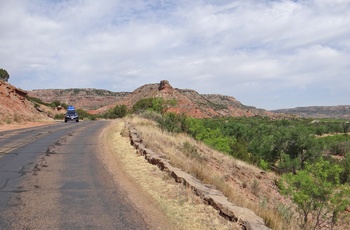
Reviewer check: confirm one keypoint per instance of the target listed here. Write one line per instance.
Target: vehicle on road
(71, 115)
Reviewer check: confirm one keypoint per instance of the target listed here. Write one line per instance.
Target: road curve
(51, 178)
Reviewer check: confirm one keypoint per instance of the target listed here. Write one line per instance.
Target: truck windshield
(71, 112)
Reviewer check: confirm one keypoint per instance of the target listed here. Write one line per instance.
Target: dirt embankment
(16, 108)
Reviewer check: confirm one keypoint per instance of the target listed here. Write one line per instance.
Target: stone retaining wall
(245, 217)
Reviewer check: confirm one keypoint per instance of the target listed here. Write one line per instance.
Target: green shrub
(173, 122)
(85, 115)
(264, 165)
(118, 111)
(55, 104)
(318, 193)
(4, 76)
(38, 101)
(59, 116)
(156, 104)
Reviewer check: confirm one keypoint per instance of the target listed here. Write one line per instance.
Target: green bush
(55, 104)
(59, 116)
(118, 111)
(264, 165)
(64, 105)
(318, 193)
(85, 115)
(4, 76)
(156, 104)
(173, 122)
(153, 104)
(345, 175)
(38, 101)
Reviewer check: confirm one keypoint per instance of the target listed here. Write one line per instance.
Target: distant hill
(191, 102)
(340, 111)
(87, 99)
(188, 101)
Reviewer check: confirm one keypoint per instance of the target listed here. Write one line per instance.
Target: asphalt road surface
(51, 178)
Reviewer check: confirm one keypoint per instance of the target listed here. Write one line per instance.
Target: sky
(271, 54)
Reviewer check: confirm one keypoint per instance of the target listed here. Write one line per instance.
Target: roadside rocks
(209, 195)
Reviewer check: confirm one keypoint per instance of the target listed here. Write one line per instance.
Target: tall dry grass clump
(243, 184)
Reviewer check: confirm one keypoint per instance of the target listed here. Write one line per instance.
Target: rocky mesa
(190, 102)
(82, 98)
(16, 106)
(340, 111)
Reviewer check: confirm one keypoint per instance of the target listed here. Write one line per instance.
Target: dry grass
(243, 184)
(20, 119)
(182, 208)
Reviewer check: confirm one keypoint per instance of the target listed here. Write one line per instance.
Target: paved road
(51, 178)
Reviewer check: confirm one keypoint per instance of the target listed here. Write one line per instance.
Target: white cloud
(268, 54)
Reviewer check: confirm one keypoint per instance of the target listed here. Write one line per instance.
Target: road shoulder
(113, 148)
(164, 203)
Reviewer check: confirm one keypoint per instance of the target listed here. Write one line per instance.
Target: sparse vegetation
(17, 118)
(255, 187)
(283, 146)
(37, 101)
(183, 208)
(59, 116)
(53, 104)
(313, 158)
(184, 152)
(156, 104)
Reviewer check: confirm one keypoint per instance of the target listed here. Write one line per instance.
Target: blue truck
(71, 114)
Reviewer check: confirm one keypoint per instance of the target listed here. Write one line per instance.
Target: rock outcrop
(191, 102)
(164, 85)
(14, 106)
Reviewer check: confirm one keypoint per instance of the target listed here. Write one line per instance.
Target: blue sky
(269, 54)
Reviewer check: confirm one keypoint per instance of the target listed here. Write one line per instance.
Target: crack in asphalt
(5, 184)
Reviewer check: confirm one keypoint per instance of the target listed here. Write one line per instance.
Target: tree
(4, 76)
(156, 104)
(318, 193)
(173, 122)
(346, 127)
(345, 175)
(153, 104)
(55, 104)
(120, 111)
